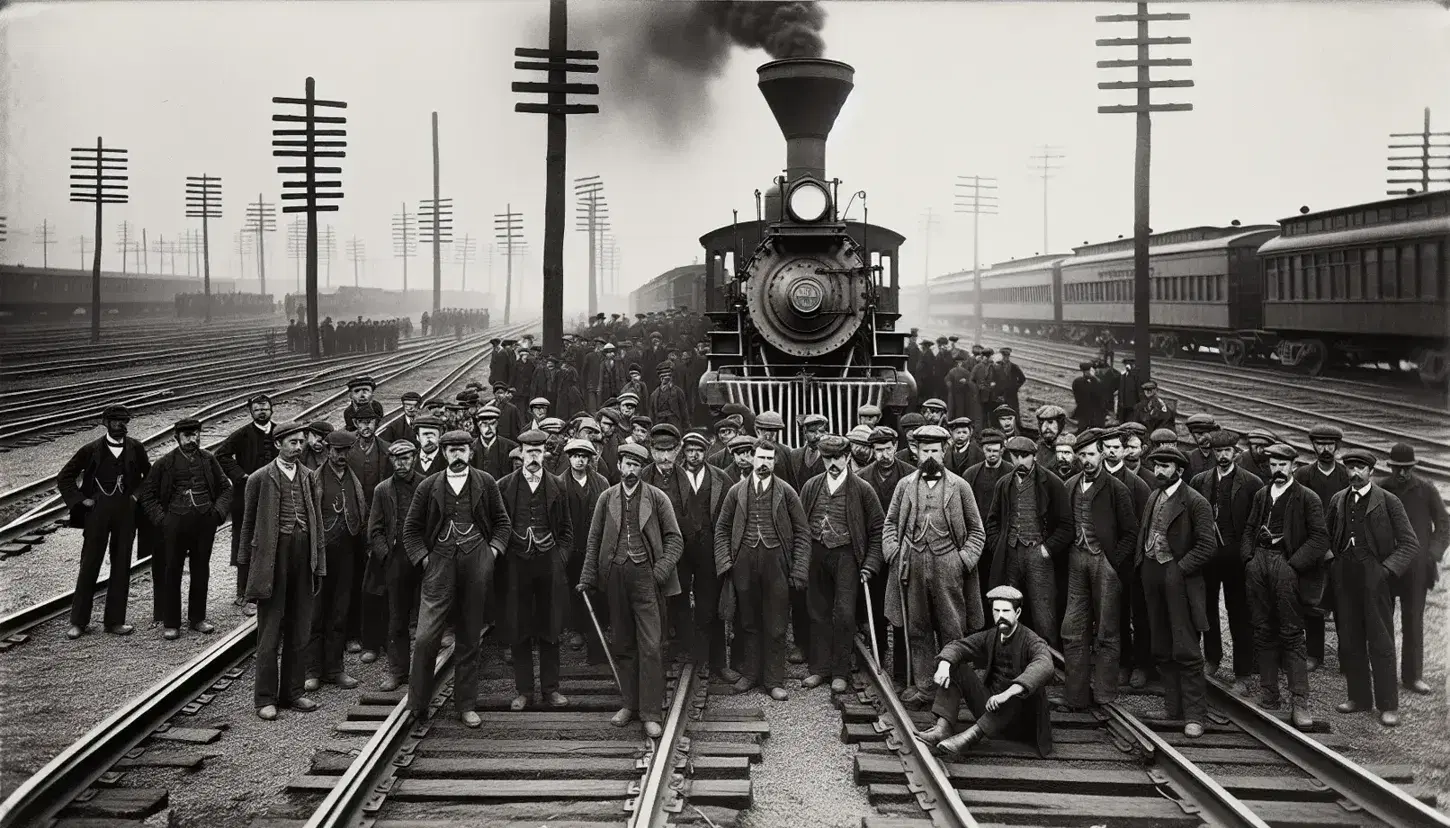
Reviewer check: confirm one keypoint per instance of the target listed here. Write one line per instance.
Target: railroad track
(45, 518)
(63, 340)
(50, 361)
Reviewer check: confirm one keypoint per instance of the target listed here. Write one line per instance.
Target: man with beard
(1283, 546)
(633, 547)
(1176, 541)
(1325, 478)
(583, 486)
(868, 415)
(244, 451)
(1029, 526)
(1426, 511)
(1009, 698)
(110, 471)
(934, 412)
(1064, 463)
(1006, 419)
(1255, 461)
(1137, 644)
(667, 403)
(1087, 396)
(1151, 411)
(882, 477)
(698, 497)
(1199, 427)
(961, 392)
(961, 453)
(344, 508)
(315, 453)
(187, 495)
(806, 462)
(1105, 529)
(540, 544)
(430, 459)
(1230, 493)
(608, 380)
(742, 459)
(403, 428)
(1373, 544)
(1050, 421)
(367, 615)
(845, 520)
(861, 456)
(360, 390)
(389, 572)
(491, 450)
(932, 541)
(763, 545)
(281, 552)
(456, 526)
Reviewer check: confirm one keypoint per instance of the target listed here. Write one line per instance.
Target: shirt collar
(457, 475)
(1168, 491)
(267, 429)
(1363, 492)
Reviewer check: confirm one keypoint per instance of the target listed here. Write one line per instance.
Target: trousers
(831, 597)
(889, 639)
(1027, 570)
(1411, 590)
(967, 686)
(403, 580)
(579, 621)
(697, 622)
(636, 616)
(328, 638)
(1226, 571)
(1094, 596)
(762, 596)
(1136, 650)
(1175, 641)
(455, 589)
(284, 625)
(1365, 620)
(186, 538)
(110, 524)
(1278, 618)
(936, 609)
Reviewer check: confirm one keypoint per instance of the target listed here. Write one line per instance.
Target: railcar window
(1401, 212)
(1296, 277)
(1431, 273)
(1340, 222)
(1389, 275)
(1372, 274)
(1353, 275)
(1311, 278)
(1336, 275)
(1271, 278)
(1407, 272)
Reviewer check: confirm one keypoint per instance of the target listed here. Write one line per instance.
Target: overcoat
(1191, 539)
(965, 524)
(657, 526)
(259, 532)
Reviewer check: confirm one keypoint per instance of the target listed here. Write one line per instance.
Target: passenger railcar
(59, 293)
(680, 287)
(1024, 294)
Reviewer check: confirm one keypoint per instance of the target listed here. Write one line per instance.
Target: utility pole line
(326, 249)
(46, 233)
(124, 242)
(81, 242)
(297, 248)
(1143, 85)
(261, 219)
(405, 240)
(978, 204)
(1044, 168)
(355, 253)
(590, 211)
(929, 221)
(1425, 162)
(101, 180)
(509, 231)
(465, 252)
(435, 228)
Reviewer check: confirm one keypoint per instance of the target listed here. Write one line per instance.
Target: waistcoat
(1026, 526)
(760, 524)
(828, 518)
(291, 511)
(1082, 512)
(188, 487)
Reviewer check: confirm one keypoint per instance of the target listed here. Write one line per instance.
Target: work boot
(934, 734)
(120, 629)
(1299, 715)
(744, 684)
(344, 681)
(1418, 686)
(779, 694)
(171, 634)
(250, 609)
(74, 632)
(1139, 679)
(470, 718)
(727, 675)
(556, 699)
(368, 657)
(1269, 701)
(812, 681)
(962, 742)
(1312, 663)
(203, 626)
(312, 685)
(354, 646)
(1389, 718)
(267, 713)
(1350, 707)
(653, 729)
(519, 703)
(794, 655)
(390, 683)
(1193, 730)
(1242, 687)
(302, 704)
(622, 718)
(838, 685)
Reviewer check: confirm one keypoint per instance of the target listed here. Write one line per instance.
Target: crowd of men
(224, 304)
(346, 337)
(454, 321)
(586, 492)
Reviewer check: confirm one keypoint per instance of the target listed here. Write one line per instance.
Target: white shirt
(1277, 489)
(1113, 470)
(456, 480)
(833, 484)
(1364, 492)
(267, 429)
(288, 469)
(695, 478)
(761, 487)
(1168, 492)
(115, 448)
(426, 460)
(533, 480)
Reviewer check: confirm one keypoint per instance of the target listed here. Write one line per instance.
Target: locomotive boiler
(803, 301)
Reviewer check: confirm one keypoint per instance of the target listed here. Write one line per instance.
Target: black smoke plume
(658, 58)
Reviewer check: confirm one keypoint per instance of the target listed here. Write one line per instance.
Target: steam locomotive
(806, 320)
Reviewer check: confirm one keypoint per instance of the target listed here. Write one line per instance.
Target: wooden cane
(871, 622)
(603, 642)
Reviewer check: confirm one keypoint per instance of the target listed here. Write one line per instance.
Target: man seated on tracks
(1009, 698)
(634, 545)
(456, 526)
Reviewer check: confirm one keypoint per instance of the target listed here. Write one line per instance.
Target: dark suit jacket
(1242, 488)
(155, 493)
(1053, 508)
(1391, 538)
(1306, 538)
(1114, 520)
(790, 527)
(514, 489)
(1427, 517)
(1191, 539)
(425, 516)
(259, 530)
(243, 452)
(864, 517)
(1030, 665)
(657, 526)
(495, 459)
(82, 466)
(957, 462)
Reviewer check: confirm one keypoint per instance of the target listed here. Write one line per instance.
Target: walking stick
(871, 623)
(589, 605)
(906, 623)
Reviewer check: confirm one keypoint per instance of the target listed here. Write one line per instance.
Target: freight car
(58, 293)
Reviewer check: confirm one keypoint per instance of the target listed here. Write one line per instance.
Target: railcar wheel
(1233, 350)
(1315, 358)
(1434, 367)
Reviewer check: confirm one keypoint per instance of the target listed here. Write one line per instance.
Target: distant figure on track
(110, 472)
(186, 495)
(244, 451)
(280, 539)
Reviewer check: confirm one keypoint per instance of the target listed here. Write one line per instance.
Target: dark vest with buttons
(459, 534)
(631, 543)
(1026, 525)
(828, 518)
(760, 518)
(292, 510)
(695, 516)
(188, 486)
(1357, 538)
(110, 470)
(1082, 512)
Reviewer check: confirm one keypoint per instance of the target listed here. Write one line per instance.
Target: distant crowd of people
(362, 335)
(455, 320)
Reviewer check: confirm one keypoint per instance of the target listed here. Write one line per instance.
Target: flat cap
(961, 422)
(322, 428)
(284, 430)
(1359, 456)
(516, 453)
(412, 396)
(489, 411)
(814, 419)
(740, 442)
(612, 414)
(1326, 433)
(499, 385)
(630, 397)
(552, 425)
(456, 437)
(868, 410)
(665, 369)
(1164, 435)
(533, 437)
(1084, 366)
(911, 420)
(935, 404)
(467, 396)
(398, 448)
(587, 422)
(341, 439)
(116, 412)
(634, 450)
(187, 424)
(1020, 444)
(1087, 438)
(259, 398)
(1067, 438)
(883, 434)
(1201, 422)
(1131, 427)
(1282, 451)
(1169, 454)
(930, 434)
(1005, 593)
(832, 445)
(694, 439)
(1004, 410)
(428, 422)
(665, 435)
(361, 382)
(860, 435)
(1222, 438)
(769, 420)
(1148, 385)
(991, 436)
(456, 406)
(1051, 412)
(1261, 433)
(578, 446)
(642, 420)
(941, 340)
(733, 421)
(1006, 352)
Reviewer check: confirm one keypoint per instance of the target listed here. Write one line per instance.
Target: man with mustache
(491, 449)
(1326, 477)
(405, 427)
(110, 471)
(1373, 544)
(1200, 426)
(242, 452)
(584, 486)
(1283, 546)
(360, 391)
(1008, 699)
(742, 458)
(389, 572)
(762, 544)
(1137, 651)
(882, 477)
(807, 461)
(962, 452)
(1029, 526)
(1255, 461)
(698, 496)
(1050, 422)
(1151, 410)
(456, 526)
(344, 508)
(1175, 542)
(1427, 515)
(845, 521)
(771, 426)
(1064, 463)
(430, 459)
(634, 545)
(931, 542)
(188, 496)
(861, 456)
(280, 549)
(1006, 418)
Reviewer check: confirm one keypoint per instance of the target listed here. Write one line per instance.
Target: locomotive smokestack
(806, 95)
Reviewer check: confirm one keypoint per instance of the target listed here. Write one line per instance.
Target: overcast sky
(1293, 105)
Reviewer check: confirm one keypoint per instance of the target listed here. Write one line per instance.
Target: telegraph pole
(591, 212)
(464, 253)
(204, 201)
(297, 248)
(1425, 162)
(244, 248)
(435, 228)
(261, 219)
(1043, 166)
(509, 231)
(46, 233)
(355, 253)
(978, 204)
(81, 242)
(102, 180)
(125, 243)
(558, 61)
(326, 249)
(928, 221)
(405, 240)
(1143, 85)
(160, 248)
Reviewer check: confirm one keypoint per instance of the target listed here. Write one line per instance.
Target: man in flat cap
(1136, 653)
(509, 421)
(931, 541)
(1326, 477)
(389, 573)
(763, 545)
(1230, 492)
(1373, 544)
(806, 461)
(538, 411)
(344, 506)
(99, 483)
(583, 485)
(1255, 460)
(1426, 510)
(1064, 463)
(188, 496)
(769, 425)
(315, 453)
(742, 458)
(541, 541)
(868, 415)
(1151, 409)
(726, 429)
(456, 527)
(962, 452)
(934, 412)
(698, 496)
(490, 449)
(1005, 417)
(608, 380)
(1175, 543)
(403, 428)
(633, 547)
(1202, 460)
(906, 446)
(242, 452)
(1105, 529)
(367, 615)
(360, 393)
(1009, 699)
(1028, 528)
(845, 519)
(1050, 422)
(862, 457)
(281, 550)
(1283, 546)
(882, 476)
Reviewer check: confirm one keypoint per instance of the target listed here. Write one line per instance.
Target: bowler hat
(1402, 454)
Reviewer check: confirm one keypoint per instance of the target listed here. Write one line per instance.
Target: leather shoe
(1269, 702)
(1301, 718)
(1210, 668)
(120, 629)
(368, 657)
(519, 703)
(812, 681)
(1418, 686)
(838, 685)
(556, 699)
(961, 742)
(203, 626)
(653, 729)
(1350, 707)
(1193, 730)
(267, 713)
(250, 609)
(727, 675)
(1389, 718)
(1312, 664)
(312, 685)
(744, 683)
(1125, 676)
(390, 683)
(936, 733)
(345, 681)
(1138, 680)
(795, 656)
(171, 634)
(302, 704)
(74, 632)
(470, 718)
(779, 694)
(622, 718)
(354, 646)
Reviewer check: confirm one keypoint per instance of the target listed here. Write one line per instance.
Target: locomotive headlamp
(809, 202)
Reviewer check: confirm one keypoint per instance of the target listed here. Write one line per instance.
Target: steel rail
(1385, 801)
(650, 809)
(925, 774)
